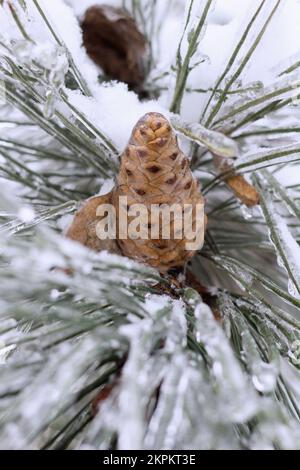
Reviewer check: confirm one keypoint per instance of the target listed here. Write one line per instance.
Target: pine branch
(232, 61)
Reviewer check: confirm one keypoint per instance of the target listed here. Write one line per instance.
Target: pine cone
(113, 41)
(153, 171)
(242, 190)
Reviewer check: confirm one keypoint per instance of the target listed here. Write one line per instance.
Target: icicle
(216, 142)
(294, 353)
(26, 214)
(241, 277)
(264, 375)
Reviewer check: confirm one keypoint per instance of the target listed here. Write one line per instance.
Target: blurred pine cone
(114, 42)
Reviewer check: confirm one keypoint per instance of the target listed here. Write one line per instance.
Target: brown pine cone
(113, 41)
(153, 171)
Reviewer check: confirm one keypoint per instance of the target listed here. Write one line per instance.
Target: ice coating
(154, 171)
